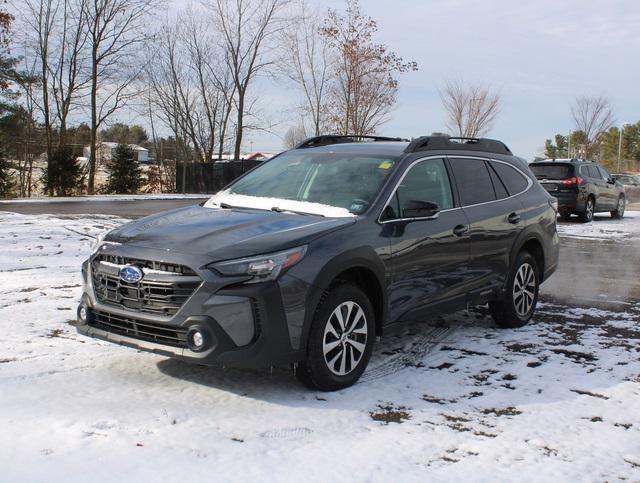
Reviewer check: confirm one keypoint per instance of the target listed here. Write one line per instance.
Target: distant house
(259, 156)
(106, 151)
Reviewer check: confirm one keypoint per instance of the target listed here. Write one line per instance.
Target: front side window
(473, 180)
(425, 181)
(604, 173)
(348, 181)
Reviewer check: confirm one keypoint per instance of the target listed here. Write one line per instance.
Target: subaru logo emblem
(130, 274)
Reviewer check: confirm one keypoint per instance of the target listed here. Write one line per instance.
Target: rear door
(495, 217)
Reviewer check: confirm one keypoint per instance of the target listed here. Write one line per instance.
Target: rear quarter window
(513, 180)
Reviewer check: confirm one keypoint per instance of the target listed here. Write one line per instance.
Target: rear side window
(552, 171)
(592, 172)
(514, 181)
(473, 181)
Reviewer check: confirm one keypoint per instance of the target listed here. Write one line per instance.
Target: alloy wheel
(345, 338)
(524, 289)
(621, 206)
(589, 209)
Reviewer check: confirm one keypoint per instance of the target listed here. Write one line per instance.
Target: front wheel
(341, 340)
(519, 303)
(618, 213)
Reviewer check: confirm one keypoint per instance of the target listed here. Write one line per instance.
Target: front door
(428, 255)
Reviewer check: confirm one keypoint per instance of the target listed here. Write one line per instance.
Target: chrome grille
(163, 290)
(161, 334)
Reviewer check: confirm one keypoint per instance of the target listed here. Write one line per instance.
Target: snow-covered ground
(453, 399)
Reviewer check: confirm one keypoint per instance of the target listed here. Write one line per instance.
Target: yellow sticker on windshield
(385, 165)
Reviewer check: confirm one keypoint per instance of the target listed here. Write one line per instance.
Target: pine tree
(7, 182)
(125, 174)
(66, 173)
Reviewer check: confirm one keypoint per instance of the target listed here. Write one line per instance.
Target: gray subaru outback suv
(307, 258)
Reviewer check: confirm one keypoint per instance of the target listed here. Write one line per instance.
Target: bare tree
(190, 88)
(116, 31)
(41, 15)
(246, 28)
(592, 116)
(471, 109)
(365, 86)
(306, 62)
(294, 136)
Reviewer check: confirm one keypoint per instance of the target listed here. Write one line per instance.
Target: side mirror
(611, 181)
(420, 209)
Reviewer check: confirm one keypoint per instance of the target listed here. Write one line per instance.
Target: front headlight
(262, 268)
(98, 241)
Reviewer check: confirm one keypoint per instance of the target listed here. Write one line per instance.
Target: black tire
(587, 215)
(316, 372)
(618, 213)
(509, 312)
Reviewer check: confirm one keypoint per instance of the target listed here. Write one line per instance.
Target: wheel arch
(532, 242)
(360, 266)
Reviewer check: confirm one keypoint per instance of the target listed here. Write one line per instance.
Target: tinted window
(604, 173)
(592, 172)
(512, 179)
(498, 185)
(426, 181)
(473, 180)
(552, 171)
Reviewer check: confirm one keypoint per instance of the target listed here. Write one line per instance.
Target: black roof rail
(435, 143)
(328, 139)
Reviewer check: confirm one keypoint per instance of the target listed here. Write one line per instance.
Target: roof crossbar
(436, 143)
(328, 139)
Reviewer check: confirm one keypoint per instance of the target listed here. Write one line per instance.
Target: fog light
(83, 313)
(198, 339)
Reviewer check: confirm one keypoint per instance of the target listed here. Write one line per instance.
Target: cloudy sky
(538, 54)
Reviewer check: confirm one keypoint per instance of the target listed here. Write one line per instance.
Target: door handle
(514, 218)
(460, 230)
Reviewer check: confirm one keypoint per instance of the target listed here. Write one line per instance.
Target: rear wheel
(587, 215)
(519, 302)
(341, 340)
(618, 213)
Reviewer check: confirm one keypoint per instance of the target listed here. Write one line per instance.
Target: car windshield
(551, 171)
(311, 182)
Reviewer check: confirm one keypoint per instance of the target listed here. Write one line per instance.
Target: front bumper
(245, 326)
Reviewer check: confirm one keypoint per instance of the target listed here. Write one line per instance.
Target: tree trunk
(94, 122)
(239, 128)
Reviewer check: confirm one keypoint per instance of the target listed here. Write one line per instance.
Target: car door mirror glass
(420, 209)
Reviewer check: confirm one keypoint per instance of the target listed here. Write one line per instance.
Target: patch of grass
(388, 413)
(510, 411)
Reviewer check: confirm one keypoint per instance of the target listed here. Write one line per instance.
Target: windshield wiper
(280, 210)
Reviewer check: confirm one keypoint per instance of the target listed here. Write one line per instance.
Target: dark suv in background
(310, 256)
(581, 187)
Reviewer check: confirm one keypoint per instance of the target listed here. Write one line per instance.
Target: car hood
(224, 234)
